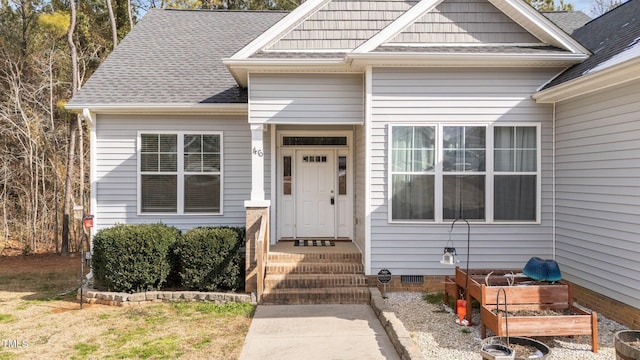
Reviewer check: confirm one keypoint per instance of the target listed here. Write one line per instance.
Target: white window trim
(489, 173)
(180, 173)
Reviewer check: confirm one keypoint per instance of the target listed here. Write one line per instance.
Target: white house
(377, 122)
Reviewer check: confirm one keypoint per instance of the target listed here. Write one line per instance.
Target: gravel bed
(433, 329)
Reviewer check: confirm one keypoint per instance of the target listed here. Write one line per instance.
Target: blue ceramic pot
(542, 270)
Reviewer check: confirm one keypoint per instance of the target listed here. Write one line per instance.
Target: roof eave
(595, 81)
(162, 108)
(536, 23)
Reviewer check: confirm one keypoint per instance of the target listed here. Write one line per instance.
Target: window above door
(314, 141)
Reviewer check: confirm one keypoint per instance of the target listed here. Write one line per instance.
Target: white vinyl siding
(309, 99)
(116, 167)
(598, 192)
(456, 97)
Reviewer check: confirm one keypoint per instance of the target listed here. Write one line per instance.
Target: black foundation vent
(412, 279)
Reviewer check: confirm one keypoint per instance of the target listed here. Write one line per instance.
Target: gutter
(163, 108)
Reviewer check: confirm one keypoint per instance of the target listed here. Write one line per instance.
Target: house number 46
(258, 152)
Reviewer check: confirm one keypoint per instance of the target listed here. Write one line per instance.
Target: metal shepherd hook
(461, 304)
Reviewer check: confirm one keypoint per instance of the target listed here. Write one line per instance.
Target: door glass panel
(286, 175)
(342, 175)
(316, 159)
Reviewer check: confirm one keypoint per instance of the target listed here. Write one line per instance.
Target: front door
(315, 193)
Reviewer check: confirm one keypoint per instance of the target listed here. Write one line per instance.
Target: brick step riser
(314, 268)
(327, 297)
(320, 257)
(309, 281)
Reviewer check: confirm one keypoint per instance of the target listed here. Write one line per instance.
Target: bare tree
(599, 7)
(114, 28)
(130, 14)
(73, 126)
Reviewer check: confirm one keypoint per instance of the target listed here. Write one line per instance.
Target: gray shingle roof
(605, 36)
(175, 56)
(568, 21)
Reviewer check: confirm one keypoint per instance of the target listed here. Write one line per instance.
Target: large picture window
(478, 172)
(180, 173)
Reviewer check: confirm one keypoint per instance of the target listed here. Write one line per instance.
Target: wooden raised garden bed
(535, 309)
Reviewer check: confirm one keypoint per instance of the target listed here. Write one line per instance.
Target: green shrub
(133, 258)
(208, 259)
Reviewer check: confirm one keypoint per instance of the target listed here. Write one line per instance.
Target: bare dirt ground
(40, 318)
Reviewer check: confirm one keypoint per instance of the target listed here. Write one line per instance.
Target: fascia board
(536, 23)
(239, 68)
(278, 29)
(186, 108)
(294, 122)
(249, 63)
(458, 59)
(397, 26)
(596, 81)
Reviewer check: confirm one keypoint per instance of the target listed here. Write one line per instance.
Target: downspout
(553, 181)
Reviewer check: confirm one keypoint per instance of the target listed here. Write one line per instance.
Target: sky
(582, 5)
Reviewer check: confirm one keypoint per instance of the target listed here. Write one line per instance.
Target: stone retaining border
(93, 296)
(398, 334)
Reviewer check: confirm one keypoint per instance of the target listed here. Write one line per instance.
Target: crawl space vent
(412, 279)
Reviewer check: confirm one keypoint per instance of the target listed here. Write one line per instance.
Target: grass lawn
(41, 319)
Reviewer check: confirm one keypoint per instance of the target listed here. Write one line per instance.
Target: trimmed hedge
(208, 258)
(133, 258)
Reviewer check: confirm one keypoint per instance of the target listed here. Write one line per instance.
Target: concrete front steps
(315, 275)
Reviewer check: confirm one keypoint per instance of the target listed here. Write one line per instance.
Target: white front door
(315, 193)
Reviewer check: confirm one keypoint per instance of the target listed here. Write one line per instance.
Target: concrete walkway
(320, 332)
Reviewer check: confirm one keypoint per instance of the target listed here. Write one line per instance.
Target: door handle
(333, 201)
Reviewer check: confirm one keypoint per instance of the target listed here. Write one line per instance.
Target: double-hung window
(180, 173)
(464, 172)
(484, 172)
(515, 173)
(413, 154)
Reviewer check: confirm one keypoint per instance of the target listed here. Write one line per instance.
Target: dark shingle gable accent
(175, 57)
